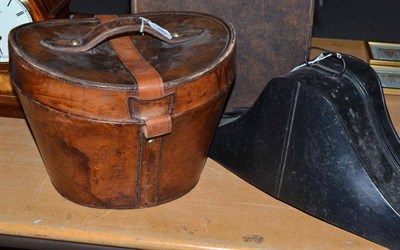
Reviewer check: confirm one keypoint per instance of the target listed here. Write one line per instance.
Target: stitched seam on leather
(155, 199)
(139, 169)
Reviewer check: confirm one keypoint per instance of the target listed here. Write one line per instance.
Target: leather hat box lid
(200, 43)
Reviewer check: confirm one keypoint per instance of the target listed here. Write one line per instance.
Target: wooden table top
(221, 212)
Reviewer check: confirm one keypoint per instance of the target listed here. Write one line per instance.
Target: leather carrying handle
(153, 113)
(119, 26)
(153, 107)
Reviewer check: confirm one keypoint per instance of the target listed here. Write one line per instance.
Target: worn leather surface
(272, 36)
(127, 123)
(150, 84)
(324, 144)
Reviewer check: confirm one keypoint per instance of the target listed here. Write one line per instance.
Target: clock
(16, 13)
(12, 14)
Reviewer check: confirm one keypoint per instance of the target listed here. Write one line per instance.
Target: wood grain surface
(221, 212)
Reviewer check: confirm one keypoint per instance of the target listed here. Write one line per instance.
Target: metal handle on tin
(122, 25)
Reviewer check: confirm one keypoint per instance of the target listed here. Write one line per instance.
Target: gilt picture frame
(389, 76)
(385, 54)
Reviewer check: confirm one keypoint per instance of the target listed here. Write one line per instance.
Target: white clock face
(12, 14)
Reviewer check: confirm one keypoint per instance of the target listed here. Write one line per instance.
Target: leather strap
(148, 79)
(153, 107)
(149, 171)
(150, 84)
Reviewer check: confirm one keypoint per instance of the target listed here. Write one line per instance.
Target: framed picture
(389, 76)
(387, 54)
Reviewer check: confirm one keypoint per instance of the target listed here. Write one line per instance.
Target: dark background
(367, 20)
